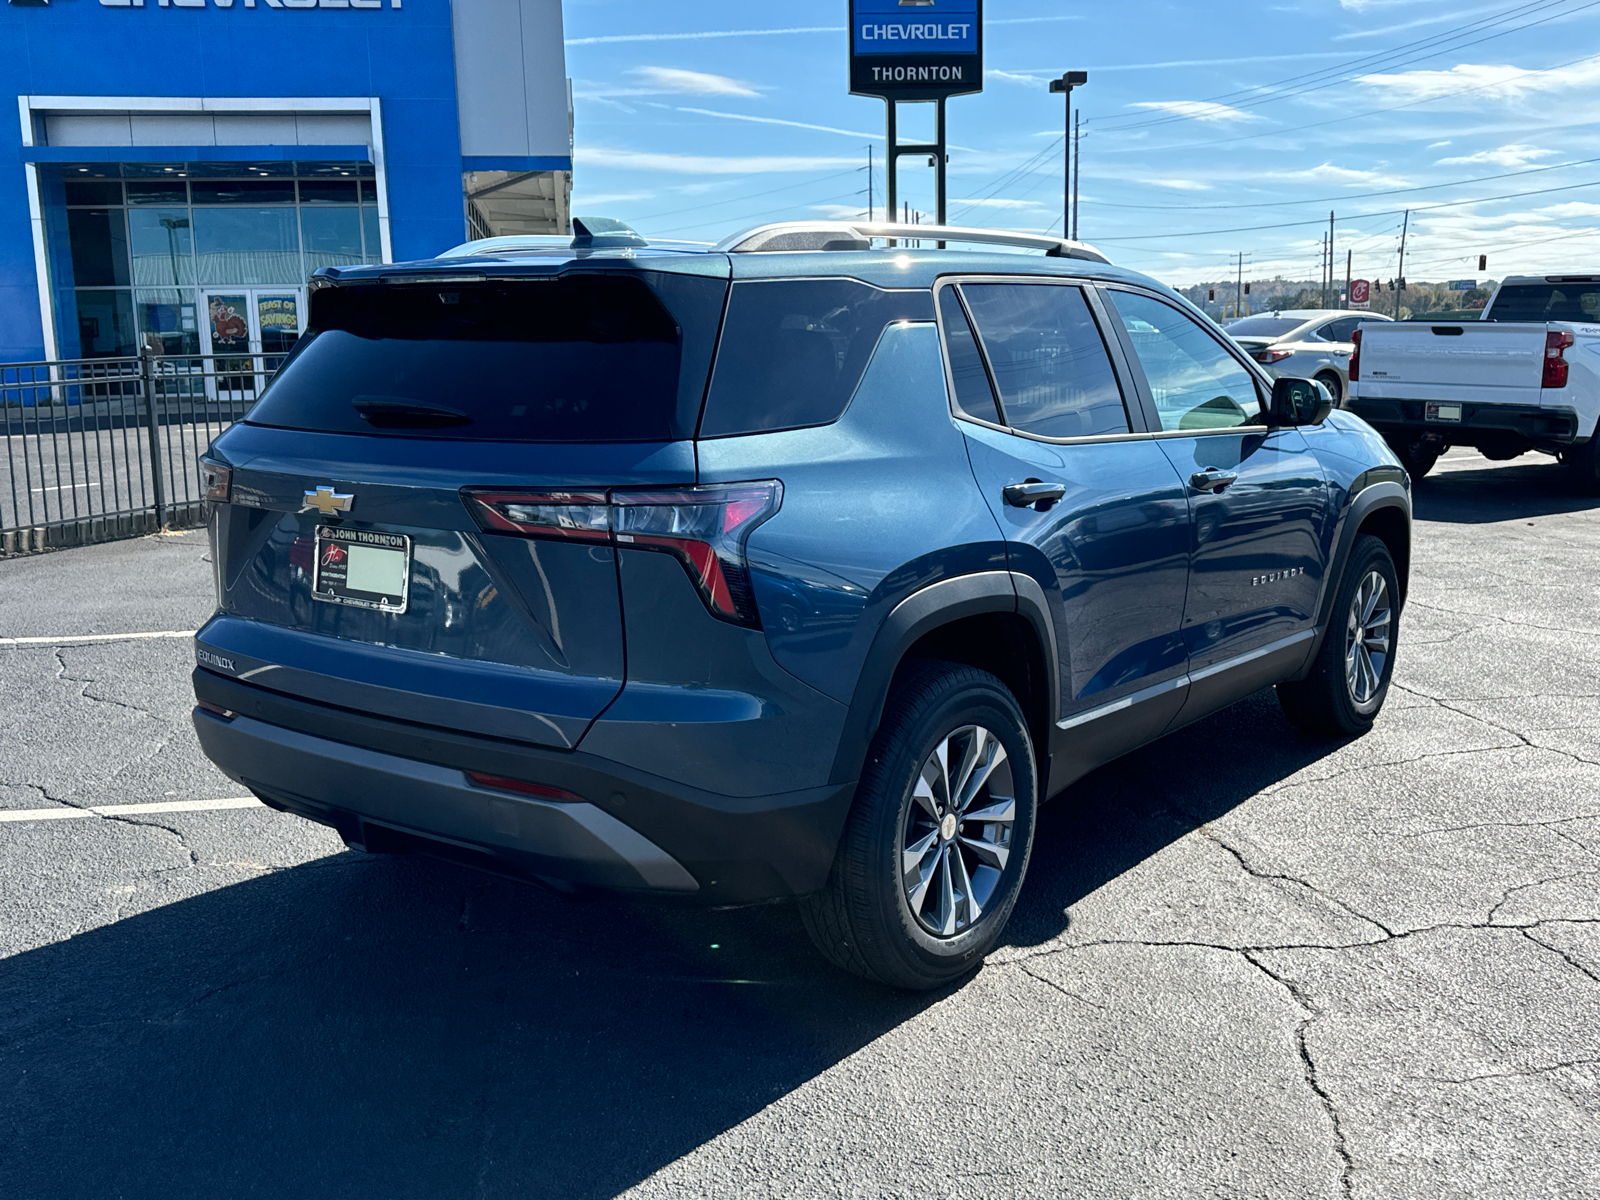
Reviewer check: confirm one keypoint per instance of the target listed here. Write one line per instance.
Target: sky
(1210, 129)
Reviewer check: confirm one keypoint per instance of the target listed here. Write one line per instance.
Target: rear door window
(1341, 330)
(1195, 383)
(793, 351)
(579, 358)
(1049, 360)
(974, 395)
(1541, 302)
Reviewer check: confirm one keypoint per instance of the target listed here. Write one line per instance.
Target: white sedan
(1304, 343)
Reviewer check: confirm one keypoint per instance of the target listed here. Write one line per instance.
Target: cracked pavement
(1247, 963)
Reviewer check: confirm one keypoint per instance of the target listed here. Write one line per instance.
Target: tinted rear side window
(579, 358)
(1547, 302)
(1050, 364)
(974, 396)
(793, 351)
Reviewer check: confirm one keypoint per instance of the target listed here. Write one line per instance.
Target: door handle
(1034, 494)
(1213, 479)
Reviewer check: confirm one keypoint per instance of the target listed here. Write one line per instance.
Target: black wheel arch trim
(919, 614)
(1380, 488)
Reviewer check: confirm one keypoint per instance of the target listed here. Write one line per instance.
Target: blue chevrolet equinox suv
(802, 566)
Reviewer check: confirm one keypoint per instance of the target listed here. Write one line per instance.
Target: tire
(913, 927)
(1417, 461)
(1335, 386)
(1582, 465)
(1348, 683)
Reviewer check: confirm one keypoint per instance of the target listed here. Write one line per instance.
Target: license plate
(362, 568)
(1448, 413)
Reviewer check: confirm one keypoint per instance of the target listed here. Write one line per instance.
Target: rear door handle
(1213, 479)
(1034, 494)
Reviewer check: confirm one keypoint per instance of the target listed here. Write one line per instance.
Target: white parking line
(125, 810)
(76, 638)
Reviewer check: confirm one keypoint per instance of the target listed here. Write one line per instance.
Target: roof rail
(855, 235)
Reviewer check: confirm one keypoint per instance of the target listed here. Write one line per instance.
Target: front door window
(1195, 383)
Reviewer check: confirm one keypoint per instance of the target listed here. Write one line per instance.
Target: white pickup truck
(1524, 377)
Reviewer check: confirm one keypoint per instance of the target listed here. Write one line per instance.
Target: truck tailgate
(1485, 362)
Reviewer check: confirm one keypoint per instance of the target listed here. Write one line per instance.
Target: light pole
(172, 225)
(1064, 86)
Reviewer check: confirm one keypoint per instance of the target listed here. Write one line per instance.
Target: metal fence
(104, 448)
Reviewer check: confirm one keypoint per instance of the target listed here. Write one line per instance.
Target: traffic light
(1402, 283)
(1247, 289)
(1211, 295)
(1483, 262)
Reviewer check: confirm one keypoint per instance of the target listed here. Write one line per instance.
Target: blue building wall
(402, 55)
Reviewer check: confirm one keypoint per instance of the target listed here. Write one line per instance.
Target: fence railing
(104, 448)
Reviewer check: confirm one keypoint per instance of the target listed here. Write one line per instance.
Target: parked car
(798, 567)
(1526, 376)
(1304, 343)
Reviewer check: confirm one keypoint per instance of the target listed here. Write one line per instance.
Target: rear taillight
(1271, 356)
(1556, 367)
(1355, 357)
(543, 791)
(215, 479)
(705, 528)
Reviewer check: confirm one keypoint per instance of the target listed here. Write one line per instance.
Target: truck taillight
(1556, 367)
(704, 528)
(1355, 357)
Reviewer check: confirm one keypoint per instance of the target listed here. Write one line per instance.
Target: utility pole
(1077, 167)
(1329, 303)
(1064, 86)
(1238, 294)
(1349, 258)
(1400, 281)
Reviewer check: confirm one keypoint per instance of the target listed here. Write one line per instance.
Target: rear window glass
(1547, 302)
(580, 358)
(1263, 326)
(793, 351)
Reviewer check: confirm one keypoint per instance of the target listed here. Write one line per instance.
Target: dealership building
(177, 168)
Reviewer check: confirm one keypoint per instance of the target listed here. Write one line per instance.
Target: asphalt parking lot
(1247, 963)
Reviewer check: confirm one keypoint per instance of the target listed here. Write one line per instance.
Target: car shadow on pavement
(1531, 486)
(373, 1027)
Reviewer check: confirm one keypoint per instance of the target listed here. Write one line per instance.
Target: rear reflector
(704, 528)
(227, 714)
(540, 790)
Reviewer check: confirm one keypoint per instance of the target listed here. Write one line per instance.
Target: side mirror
(1299, 402)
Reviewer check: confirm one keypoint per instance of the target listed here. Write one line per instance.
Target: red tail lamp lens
(705, 528)
(1556, 367)
(542, 791)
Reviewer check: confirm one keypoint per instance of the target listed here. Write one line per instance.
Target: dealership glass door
(249, 331)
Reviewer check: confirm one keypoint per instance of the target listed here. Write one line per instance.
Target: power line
(1335, 75)
(1147, 237)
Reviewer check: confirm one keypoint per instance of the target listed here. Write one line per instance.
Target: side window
(1340, 330)
(793, 351)
(974, 396)
(1049, 360)
(1196, 384)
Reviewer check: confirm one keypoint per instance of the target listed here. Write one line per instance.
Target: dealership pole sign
(916, 49)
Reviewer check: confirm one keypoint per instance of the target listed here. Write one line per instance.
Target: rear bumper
(391, 786)
(1555, 426)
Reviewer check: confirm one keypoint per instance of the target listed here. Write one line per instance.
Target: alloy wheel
(956, 835)
(1367, 641)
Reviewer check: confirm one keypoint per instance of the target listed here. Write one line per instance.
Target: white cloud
(1197, 110)
(1328, 173)
(1181, 185)
(1504, 156)
(711, 112)
(1441, 145)
(840, 212)
(692, 83)
(1454, 14)
(1484, 80)
(1018, 77)
(704, 164)
(695, 37)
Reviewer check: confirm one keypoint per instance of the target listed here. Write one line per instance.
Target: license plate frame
(1444, 414)
(332, 562)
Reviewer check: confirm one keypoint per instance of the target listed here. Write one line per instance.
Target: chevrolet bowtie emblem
(327, 501)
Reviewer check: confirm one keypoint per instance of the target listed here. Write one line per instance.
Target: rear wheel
(1583, 465)
(1349, 680)
(1416, 456)
(937, 843)
(1335, 386)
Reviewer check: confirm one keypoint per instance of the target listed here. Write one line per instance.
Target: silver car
(1304, 343)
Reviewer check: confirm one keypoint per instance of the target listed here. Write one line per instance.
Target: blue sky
(1210, 128)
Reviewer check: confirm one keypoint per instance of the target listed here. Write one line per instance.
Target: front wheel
(1349, 680)
(937, 843)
